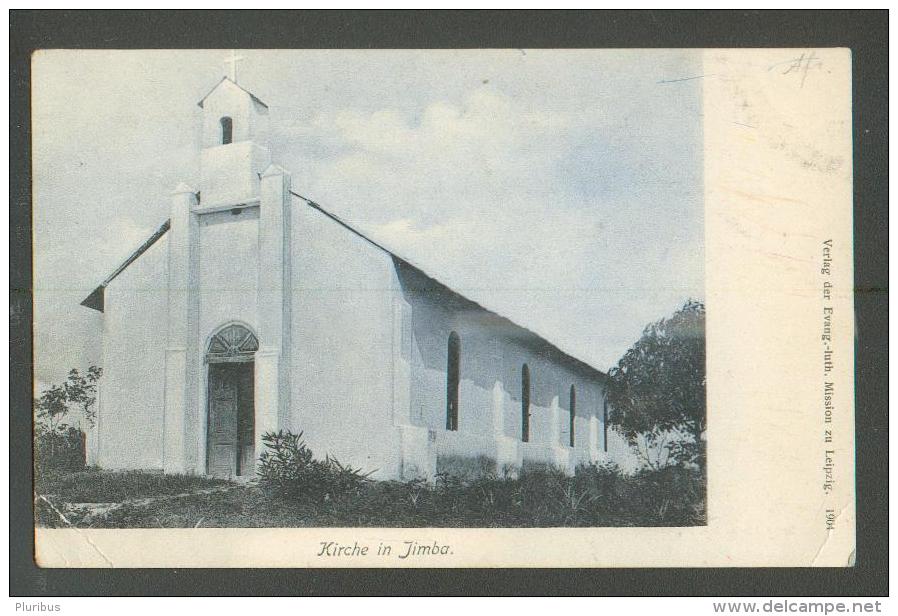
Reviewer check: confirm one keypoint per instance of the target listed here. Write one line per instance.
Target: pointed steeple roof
(236, 85)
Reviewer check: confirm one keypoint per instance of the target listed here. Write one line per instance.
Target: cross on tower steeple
(233, 59)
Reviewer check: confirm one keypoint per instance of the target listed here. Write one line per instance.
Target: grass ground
(96, 486)
(538, 498)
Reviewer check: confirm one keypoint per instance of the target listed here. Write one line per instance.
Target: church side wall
(493, 352)
(344, 290)
(129, 427)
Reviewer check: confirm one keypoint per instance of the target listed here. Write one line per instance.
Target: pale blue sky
(562, 189)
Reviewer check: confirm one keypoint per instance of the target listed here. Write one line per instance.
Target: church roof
(431, 282)
(224, 79)
(96, 298)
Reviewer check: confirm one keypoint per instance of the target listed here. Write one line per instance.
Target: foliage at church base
(480, 496)
(296, 490)
(62, 449)
(596, 496)
(466, 467)
(287, 468)
(59, 442)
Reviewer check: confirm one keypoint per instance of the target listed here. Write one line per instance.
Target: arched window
(605, 425)
(452, 379)
(573, 412)
(525, 403)
(233, 343)
(227, 130)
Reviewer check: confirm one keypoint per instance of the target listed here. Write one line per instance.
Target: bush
(465, 467)
(59, 449)
(297, 491)
(540, 496)
(59, 443)
(288, 468)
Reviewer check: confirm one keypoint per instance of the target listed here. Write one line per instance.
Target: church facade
(253, 310)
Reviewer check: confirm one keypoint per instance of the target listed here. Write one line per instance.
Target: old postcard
(420, 308)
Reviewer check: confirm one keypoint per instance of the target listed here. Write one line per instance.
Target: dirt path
(89, 512)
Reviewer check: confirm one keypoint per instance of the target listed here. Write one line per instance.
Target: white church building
(253, 309)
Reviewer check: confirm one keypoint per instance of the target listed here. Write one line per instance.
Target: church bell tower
(244, 200)
(235, 145)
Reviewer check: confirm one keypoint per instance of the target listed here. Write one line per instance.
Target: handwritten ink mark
(800, 65)
(683, 79)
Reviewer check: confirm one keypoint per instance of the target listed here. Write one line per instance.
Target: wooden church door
(246, 424)
(231, 450)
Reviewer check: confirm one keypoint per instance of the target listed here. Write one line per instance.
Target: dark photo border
(864, 32)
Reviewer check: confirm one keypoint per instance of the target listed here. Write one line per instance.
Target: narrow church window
(573, 412)
(452, 380)
(605, 425)
(227, 130)
(525, 403)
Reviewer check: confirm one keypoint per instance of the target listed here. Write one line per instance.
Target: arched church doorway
(230, 434)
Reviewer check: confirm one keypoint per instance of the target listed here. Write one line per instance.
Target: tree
(78, 392)
(51, 408)
(81, 391)
(58, 443)
(658, 387)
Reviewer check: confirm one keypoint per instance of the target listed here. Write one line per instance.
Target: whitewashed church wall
(228, 270)
(620, 452)
(250, 119)
(129, 426)
(342, 345)
(494, 351)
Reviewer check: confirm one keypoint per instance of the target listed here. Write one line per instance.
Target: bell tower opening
(235, 145)
(227, 130)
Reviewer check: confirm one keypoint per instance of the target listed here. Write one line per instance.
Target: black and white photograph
(310, 306)
(379, 288)
(442, 303)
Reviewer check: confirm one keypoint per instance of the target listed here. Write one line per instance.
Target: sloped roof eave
(542, 340)
(96, 299)
(223, 79)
